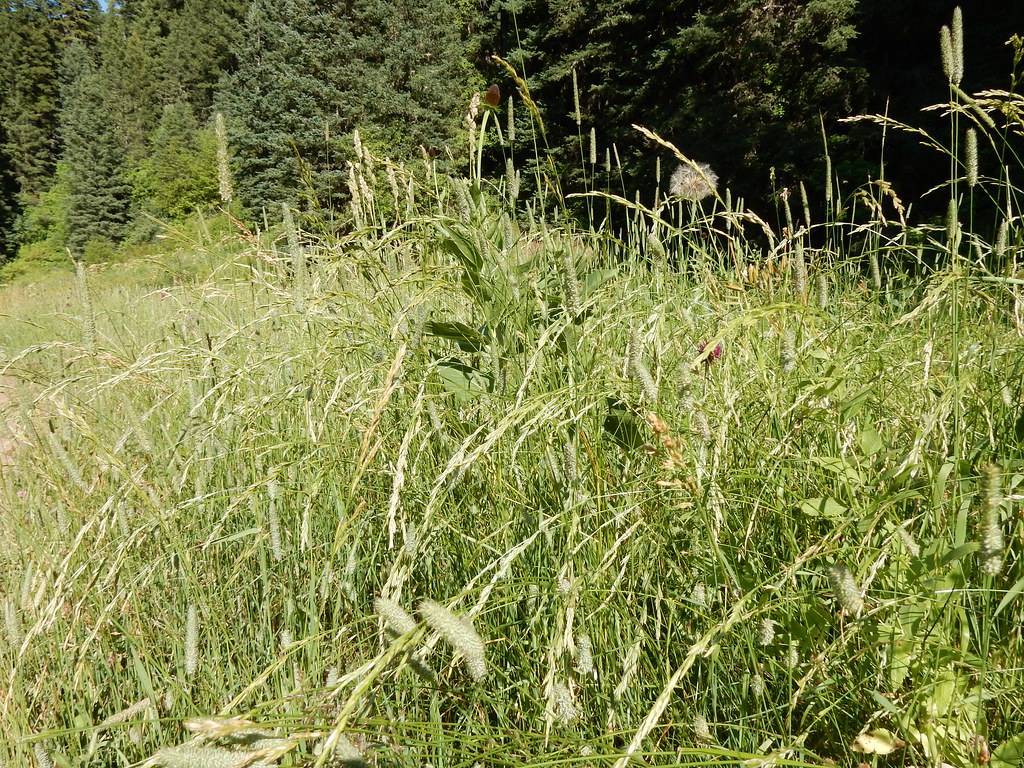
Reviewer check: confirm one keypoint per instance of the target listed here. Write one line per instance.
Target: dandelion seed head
(689, 183)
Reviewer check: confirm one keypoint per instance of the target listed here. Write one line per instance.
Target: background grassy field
(702, 491)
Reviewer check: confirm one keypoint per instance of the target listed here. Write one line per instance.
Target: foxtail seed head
(991, 528)
(846, 590)
(395, 617)
(459, 633)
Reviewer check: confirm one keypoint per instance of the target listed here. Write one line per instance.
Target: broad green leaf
(462, 381)
(939, 486)
(877, 742)
(822, 507)
(595, 279)
(623, 426)
(841, 467)
(870, 441)
(468, 338)
(1009, 754)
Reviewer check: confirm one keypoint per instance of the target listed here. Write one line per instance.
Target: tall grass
(467, 487)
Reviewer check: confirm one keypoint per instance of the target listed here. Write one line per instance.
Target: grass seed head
(701, 729)
(908, 541)
(991, 528)
(191, 641)
(971, 157)
(459, 633)
(395, 617)
(193, 756)
(561, 703)
(845, 588)
(584, 656)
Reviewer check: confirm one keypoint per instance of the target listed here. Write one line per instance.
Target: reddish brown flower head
(714, 354)
(492, 96)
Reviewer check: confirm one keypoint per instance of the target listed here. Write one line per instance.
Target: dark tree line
(106, 116)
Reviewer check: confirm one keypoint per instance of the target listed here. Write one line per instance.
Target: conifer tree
(29, 69)
(131, 46)
(179, 174)
(283, 105)
(77, 20)
(99, 195)
(405, 70)
(200, 50)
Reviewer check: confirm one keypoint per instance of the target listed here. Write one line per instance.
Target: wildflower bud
(766, 633)
(846, 590)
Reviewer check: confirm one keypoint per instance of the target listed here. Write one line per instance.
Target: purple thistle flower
(714, 354)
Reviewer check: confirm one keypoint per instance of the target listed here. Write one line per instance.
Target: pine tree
(78, 21)
(201, 50)
(131, 52)
(29, 112)
(8, 202)
(737, 83)
(405, 70)
(283, 106)
(99, 196)
(179, 174)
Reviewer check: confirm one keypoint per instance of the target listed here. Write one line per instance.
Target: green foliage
(130, 52)
(179, 174)
(44, 224)
(98, 194)
(29, 68)
(201, 49)
(737, 84)
(275, 104)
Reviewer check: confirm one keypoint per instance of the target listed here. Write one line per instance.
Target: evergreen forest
(109, 117)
